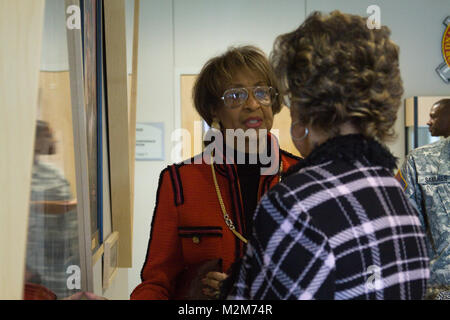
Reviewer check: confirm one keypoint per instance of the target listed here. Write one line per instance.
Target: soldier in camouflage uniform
(425, 176)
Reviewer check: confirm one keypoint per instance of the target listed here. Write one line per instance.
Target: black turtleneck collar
(249, 166)
(350, 148)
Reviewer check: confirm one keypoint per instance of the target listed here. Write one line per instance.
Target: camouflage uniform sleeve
(407, 176)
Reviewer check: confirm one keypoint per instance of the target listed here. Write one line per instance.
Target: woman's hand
(213, 282)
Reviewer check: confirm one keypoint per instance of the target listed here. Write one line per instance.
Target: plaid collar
(348, 148)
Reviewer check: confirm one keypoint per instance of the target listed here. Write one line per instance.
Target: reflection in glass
(52, 243)
(423, 137)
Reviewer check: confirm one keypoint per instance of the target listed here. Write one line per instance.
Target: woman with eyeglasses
(204, 206)
(339, 225)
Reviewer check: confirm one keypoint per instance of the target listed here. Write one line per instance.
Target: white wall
(155, 103)
(129, 19)
(180, 35)
(205, 28)
(54, 42)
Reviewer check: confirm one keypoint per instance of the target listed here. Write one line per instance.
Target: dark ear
(215, 111)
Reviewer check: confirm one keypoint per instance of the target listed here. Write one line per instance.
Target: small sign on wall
(149, 141)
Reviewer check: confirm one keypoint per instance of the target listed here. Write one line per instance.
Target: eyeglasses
(236, 97)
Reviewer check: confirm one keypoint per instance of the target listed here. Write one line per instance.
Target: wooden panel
(56, 109)
(21, 24)
(190, 119)
(129, 79)
(409, 112)
(118, 122)
(423, 108)
(133, 101)
(107, 219)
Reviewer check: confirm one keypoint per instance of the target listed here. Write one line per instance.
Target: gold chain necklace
(226, 217)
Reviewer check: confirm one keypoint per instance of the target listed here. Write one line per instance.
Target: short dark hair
(218, 72)
(336, 69)
(443, 103)
(42, 128)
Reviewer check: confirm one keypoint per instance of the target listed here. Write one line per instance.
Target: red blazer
(188, 225)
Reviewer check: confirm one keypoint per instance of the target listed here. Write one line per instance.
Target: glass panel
(423, 135)
(53, 255)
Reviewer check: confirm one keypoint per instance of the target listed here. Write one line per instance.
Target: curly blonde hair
(335, 69)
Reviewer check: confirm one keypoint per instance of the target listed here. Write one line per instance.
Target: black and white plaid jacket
(338, 227)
